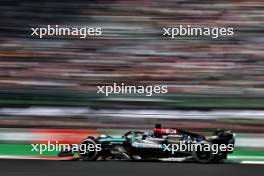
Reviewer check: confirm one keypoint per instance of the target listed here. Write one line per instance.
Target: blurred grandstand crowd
(60, 71)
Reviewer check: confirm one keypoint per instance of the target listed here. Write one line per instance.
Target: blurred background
(50, 84)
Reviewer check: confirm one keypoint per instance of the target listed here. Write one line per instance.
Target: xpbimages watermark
(190, 31)
(203, 147)
(128, 89)
(74, 148)
(56, 30)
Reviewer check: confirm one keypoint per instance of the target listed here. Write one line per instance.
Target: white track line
(35, 158)
(246, 157)
(252, 162)
(70, 158)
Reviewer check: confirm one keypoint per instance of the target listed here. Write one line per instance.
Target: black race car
(161, 144)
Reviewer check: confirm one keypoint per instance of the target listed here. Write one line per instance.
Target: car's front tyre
(85, 152)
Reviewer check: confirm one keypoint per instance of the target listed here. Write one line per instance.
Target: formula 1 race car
(162, 143)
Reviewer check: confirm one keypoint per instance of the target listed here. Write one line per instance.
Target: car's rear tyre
(218, 159)
(203, 156)
(88, 155)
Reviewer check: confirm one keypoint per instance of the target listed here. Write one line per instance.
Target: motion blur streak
(212, 83)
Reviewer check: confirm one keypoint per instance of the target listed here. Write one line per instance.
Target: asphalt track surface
(123, 168)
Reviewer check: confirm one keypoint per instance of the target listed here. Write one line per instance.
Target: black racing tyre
(88, 155)
(203, 156)
(218, 159)
(91, 137)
